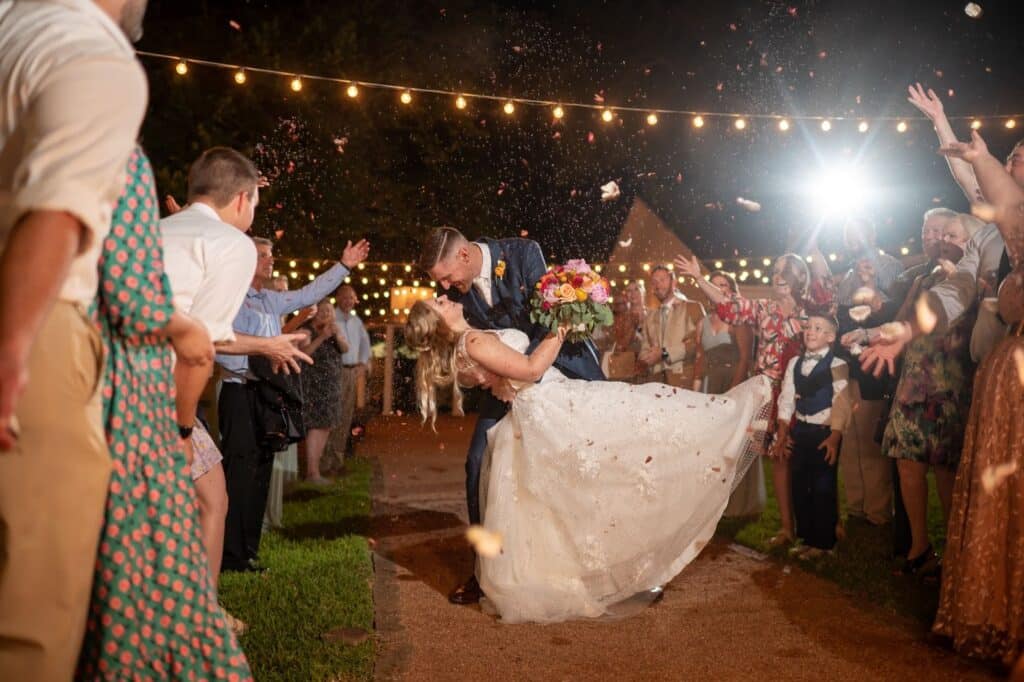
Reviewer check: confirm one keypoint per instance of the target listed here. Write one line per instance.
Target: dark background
(341, 169)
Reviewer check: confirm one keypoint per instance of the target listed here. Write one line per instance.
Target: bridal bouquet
(572, 294)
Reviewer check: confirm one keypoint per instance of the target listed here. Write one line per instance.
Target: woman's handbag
(277, 406)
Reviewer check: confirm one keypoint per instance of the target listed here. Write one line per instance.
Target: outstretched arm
(931, 106)
(489, 352)
(691, 267)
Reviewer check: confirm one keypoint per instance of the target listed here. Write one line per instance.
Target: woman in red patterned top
(779, 321)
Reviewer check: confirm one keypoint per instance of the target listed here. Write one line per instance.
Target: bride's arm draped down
(489, 352)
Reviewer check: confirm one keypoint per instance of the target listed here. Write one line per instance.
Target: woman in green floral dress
(154, 614)
(931, 403)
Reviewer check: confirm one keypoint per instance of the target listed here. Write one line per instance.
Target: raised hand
(284, 353)
(928, 103)
(172, 204)
(882, 356)
(689, 267)
(354, 254)
(968, 151)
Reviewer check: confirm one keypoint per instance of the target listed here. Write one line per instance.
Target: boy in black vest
(814, 409)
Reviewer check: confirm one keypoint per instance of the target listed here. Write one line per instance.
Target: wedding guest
(669, 340)
(355, 369)
(780, 329)
(931, 402)
(815, 396)
(73, 97)
(322, 386)
(247, 463)
(981, 607)
(150, 544)
(723, 361)
(210, 262)
(867, 474)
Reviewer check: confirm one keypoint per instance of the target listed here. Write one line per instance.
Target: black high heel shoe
(927, 565)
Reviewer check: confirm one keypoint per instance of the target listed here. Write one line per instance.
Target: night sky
(339, 169)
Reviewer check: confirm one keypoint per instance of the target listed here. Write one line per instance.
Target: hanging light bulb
(826, 125)
(975, 124)
(607, 115)
(783, 125)
(406, 97)
(558, 112)
(460, 102)
(352, 91)
(1011, 123)
(901, 127)
(652, 119)
(296, 84)
(509, 108)
(862, 127)
(240, 77)
(741, 123)
(181, 68)
(698, 121)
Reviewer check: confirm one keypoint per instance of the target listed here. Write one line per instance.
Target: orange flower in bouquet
(572, 294)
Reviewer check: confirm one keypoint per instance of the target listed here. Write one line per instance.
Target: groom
(494, 279)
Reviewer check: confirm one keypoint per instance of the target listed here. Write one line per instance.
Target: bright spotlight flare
(973, 10)
(837, 191)
(748, 205)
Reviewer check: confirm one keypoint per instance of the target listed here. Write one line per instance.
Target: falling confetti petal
(993, 476)
(610, 191)
(749, 205)
(973, 10)
(926, 318)
(235, 25)
(627, 243)
(860, 313)
(856, 349)
(486, 543)
(892, 330)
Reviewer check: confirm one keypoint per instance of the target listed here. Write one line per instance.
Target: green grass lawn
(320, 579)
(862, 563)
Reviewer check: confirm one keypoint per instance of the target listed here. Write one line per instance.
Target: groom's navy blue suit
(510, 296)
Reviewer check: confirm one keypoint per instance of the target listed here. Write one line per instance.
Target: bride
(599, 490)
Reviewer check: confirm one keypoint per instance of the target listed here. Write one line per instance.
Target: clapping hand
(354, 254)
(968, 151)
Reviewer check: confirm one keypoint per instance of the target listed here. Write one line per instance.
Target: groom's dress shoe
(468, 592)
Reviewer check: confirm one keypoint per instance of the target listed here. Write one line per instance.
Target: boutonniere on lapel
(499, 269)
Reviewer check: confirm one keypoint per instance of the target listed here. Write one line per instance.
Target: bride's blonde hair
(436, 367)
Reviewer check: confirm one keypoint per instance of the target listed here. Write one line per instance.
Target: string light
(291, 264)
(826, 125)
(558, 112)
(901, 127)
(240, 75)
(509, 108)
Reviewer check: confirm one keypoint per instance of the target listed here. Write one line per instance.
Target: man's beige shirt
(678, 337)
(72, 97)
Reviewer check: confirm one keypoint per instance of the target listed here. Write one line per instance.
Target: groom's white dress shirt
(482, 282)
(210, 265)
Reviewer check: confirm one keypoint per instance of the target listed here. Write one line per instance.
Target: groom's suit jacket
(516, 267)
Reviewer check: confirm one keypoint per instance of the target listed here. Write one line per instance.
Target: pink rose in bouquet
(572, 295)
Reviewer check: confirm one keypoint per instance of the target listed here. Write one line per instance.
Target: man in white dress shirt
(72, 97)
(210, 261)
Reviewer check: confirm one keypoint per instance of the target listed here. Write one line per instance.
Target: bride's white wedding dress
(602, 490)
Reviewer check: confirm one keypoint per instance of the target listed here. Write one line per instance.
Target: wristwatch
(185, 431)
